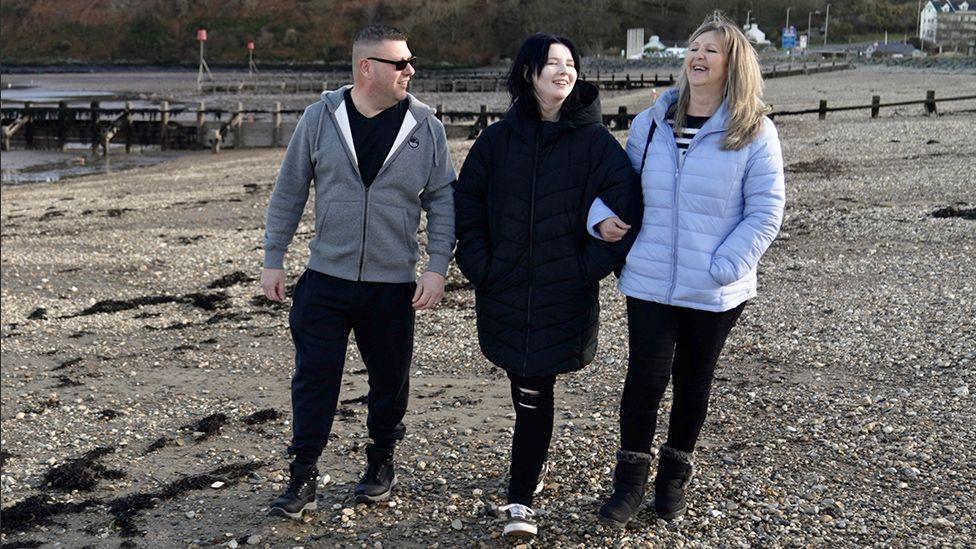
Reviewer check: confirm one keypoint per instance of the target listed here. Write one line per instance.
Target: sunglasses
(398, 65)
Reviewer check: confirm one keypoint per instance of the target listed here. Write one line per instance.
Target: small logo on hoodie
(414, 142)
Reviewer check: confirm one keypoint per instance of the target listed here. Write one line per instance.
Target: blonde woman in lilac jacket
(712, 178)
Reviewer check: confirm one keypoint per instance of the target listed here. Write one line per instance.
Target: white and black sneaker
(520, 523)
(542, 479)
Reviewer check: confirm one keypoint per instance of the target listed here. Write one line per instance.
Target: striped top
(692, 125)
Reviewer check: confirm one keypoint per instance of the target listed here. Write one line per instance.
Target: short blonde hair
(743, 84)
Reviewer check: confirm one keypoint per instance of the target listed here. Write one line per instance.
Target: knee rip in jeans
(531, 399)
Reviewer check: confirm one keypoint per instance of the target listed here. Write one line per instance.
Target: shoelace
(296, 485)
(517, 510)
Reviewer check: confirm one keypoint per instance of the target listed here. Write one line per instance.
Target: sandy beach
(145, 382)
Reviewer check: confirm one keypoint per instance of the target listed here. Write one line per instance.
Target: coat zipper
(674, 205)
(528, 306)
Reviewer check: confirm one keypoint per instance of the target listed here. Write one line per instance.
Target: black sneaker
(300, 494)
(380, 478)
(519, 523)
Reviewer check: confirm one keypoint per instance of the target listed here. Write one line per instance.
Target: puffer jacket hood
(587, 111)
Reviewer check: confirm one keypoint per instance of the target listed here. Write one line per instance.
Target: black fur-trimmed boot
(380, 478)
(674, 471)
(629, 485)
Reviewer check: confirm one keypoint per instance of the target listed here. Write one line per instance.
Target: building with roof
(891, 49)
(948, 23)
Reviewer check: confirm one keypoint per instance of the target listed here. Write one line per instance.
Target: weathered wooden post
(238, 125)
(127, 124)
(276, 126)
(164, 125)
(930, 103)
(62, 125)
(622, 122)
(440, 113)
(95, 130)
(29, 125)
(201, 118)
(480, 124)
(875, 105)
(627, 80)
(823, 109)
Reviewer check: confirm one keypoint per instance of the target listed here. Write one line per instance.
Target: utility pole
(826, 23)
(918, 22)
(809, 22)
(788, 17)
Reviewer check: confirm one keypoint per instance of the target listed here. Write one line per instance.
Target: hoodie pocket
(338, 232)
(390, 244)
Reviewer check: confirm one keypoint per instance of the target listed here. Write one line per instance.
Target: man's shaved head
(369, 37)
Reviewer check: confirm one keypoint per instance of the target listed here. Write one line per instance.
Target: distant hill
(162, 32)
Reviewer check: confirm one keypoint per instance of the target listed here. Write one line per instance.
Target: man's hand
(430, 290)
(612, 229)
(273, 283)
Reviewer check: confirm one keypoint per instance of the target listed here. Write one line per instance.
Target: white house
(654, 45)
(755, 35)
(928, 22)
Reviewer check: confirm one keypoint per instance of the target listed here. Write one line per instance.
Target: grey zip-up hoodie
(364, 234)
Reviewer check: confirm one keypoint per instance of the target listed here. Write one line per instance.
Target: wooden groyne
(57, 127)
(481, 82)
(45, 127)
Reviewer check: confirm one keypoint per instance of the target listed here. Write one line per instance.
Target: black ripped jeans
(670, 343)
(533, 401)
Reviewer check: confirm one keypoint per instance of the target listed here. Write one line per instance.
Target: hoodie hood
(417, 109)
(334, 98)
(587, 111)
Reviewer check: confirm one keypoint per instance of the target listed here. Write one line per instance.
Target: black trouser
(323, 312)
(533, 401)
(668, 342)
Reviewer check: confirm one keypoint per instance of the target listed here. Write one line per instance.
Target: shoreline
(132, 328)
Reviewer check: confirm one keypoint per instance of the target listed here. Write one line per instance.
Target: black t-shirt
(373, 137)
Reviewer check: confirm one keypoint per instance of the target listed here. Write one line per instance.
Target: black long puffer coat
(522, 200)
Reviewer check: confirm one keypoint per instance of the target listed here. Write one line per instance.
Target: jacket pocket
(338, 231)
(389, 242)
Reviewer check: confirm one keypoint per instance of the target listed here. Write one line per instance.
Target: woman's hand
(612, 229)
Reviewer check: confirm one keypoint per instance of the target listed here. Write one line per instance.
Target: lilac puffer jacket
(706, 221)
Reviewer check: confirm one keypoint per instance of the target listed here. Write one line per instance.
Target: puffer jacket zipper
(528, 305)
(679, 162)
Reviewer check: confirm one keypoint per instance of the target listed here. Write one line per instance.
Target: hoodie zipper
(362, 247)
(528, 307)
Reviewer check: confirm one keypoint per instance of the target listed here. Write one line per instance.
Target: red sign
(250, 46)
(202, 35)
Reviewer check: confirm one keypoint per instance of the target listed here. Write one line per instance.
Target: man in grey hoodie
(377, 156)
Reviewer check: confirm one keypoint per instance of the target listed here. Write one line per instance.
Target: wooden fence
(481, 82)
(55, 127)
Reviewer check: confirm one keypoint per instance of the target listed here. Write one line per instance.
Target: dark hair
(379, 33)
(530, 60)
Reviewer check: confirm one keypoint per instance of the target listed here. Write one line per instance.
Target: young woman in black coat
(523, 200)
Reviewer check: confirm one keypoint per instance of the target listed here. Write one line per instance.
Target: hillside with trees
(466, 32)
